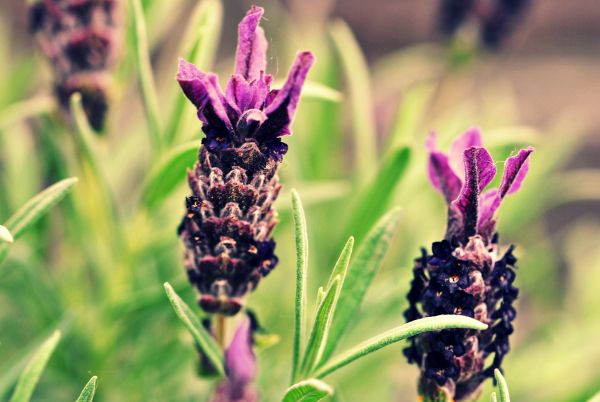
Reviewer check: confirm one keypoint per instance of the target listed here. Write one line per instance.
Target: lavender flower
(497, 18)
(80, 38)
(240, 366)
(465, 273)
(230, 217)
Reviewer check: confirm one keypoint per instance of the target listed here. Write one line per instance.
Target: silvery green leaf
(87, 394)
(311, 390)
(503, 394)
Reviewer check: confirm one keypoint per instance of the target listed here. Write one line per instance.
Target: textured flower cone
(80, 38)
(465, 274)
(230, 217)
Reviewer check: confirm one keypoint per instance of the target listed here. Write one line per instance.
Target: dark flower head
(230, 216)
(248, 110)
(496, 18)
(81, 39)
(465, 273)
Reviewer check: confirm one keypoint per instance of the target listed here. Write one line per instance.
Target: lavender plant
(230, 217)
(465, 273)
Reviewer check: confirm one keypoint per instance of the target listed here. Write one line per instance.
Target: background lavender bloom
(81, 39)
(465, 273)
(496, 18)
(230, 216)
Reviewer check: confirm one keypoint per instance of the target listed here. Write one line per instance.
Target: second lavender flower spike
(465, 273)
(230, 216)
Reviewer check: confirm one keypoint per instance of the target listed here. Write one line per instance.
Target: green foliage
(33, 371)
(203, 339)
(88, 392)
(503, 394)
(311, 390)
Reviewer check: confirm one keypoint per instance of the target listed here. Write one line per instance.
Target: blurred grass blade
(493, 397)
(341, 266)
(144, 72)
(595, 398)
(397, 334)
(316, 91)
(374, 198)
(169, 173)
(34, 209)
(201, 41)
(410, 115)
(26, 109)
(87, 394)
(301, 235)
(357, 76)
(311, 390)
(503, 394)
(320, 330)
(33, 371)
(5, 235)
(203, 339)
(360, 275)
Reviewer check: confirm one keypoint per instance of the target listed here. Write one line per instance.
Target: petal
(515, 170)
(442, 177)
(470, 138)
(280, 111)
(479, 171)
(247, 95)
(251, 54)
(240, 362)
(191, 82)
(489, 202)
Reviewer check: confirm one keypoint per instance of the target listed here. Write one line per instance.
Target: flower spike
(230, 217)
(465, 273)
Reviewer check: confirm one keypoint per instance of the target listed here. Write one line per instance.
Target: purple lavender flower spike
(465, 274)
(230, 216)
(240, 366)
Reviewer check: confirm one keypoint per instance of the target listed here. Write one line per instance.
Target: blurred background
(384, 78)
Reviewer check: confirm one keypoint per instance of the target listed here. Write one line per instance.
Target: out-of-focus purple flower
(465, 273)
(496, 18)
(240, 366)
(230, 216)
(81, 39)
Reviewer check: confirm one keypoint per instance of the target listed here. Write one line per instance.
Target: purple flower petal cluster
(497, 18)
(465, 273)
(230, 216)
(81, 39)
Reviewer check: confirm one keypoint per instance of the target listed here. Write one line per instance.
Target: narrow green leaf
(357, 76)
(341, 266)
(34, 209)
(397, 334)
(169, 173)
(316, 91)
(33, 371)
(26, 109)
(320, 330)
(503, 394)
(201, 40)
(311, 390)
(87, 394)
(203, 339)
(144, 67)
(5, 235)
(301, 235)
(374, 199)
(360, 274)
(493, 397)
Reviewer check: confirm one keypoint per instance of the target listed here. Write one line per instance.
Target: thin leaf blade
(88, 392)
(33, 371)
(503, 394)
(301, 236)
(203, 339)
(360, 275)
(168, 174)
(5, 235)
(311, 390)
(397, 334)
